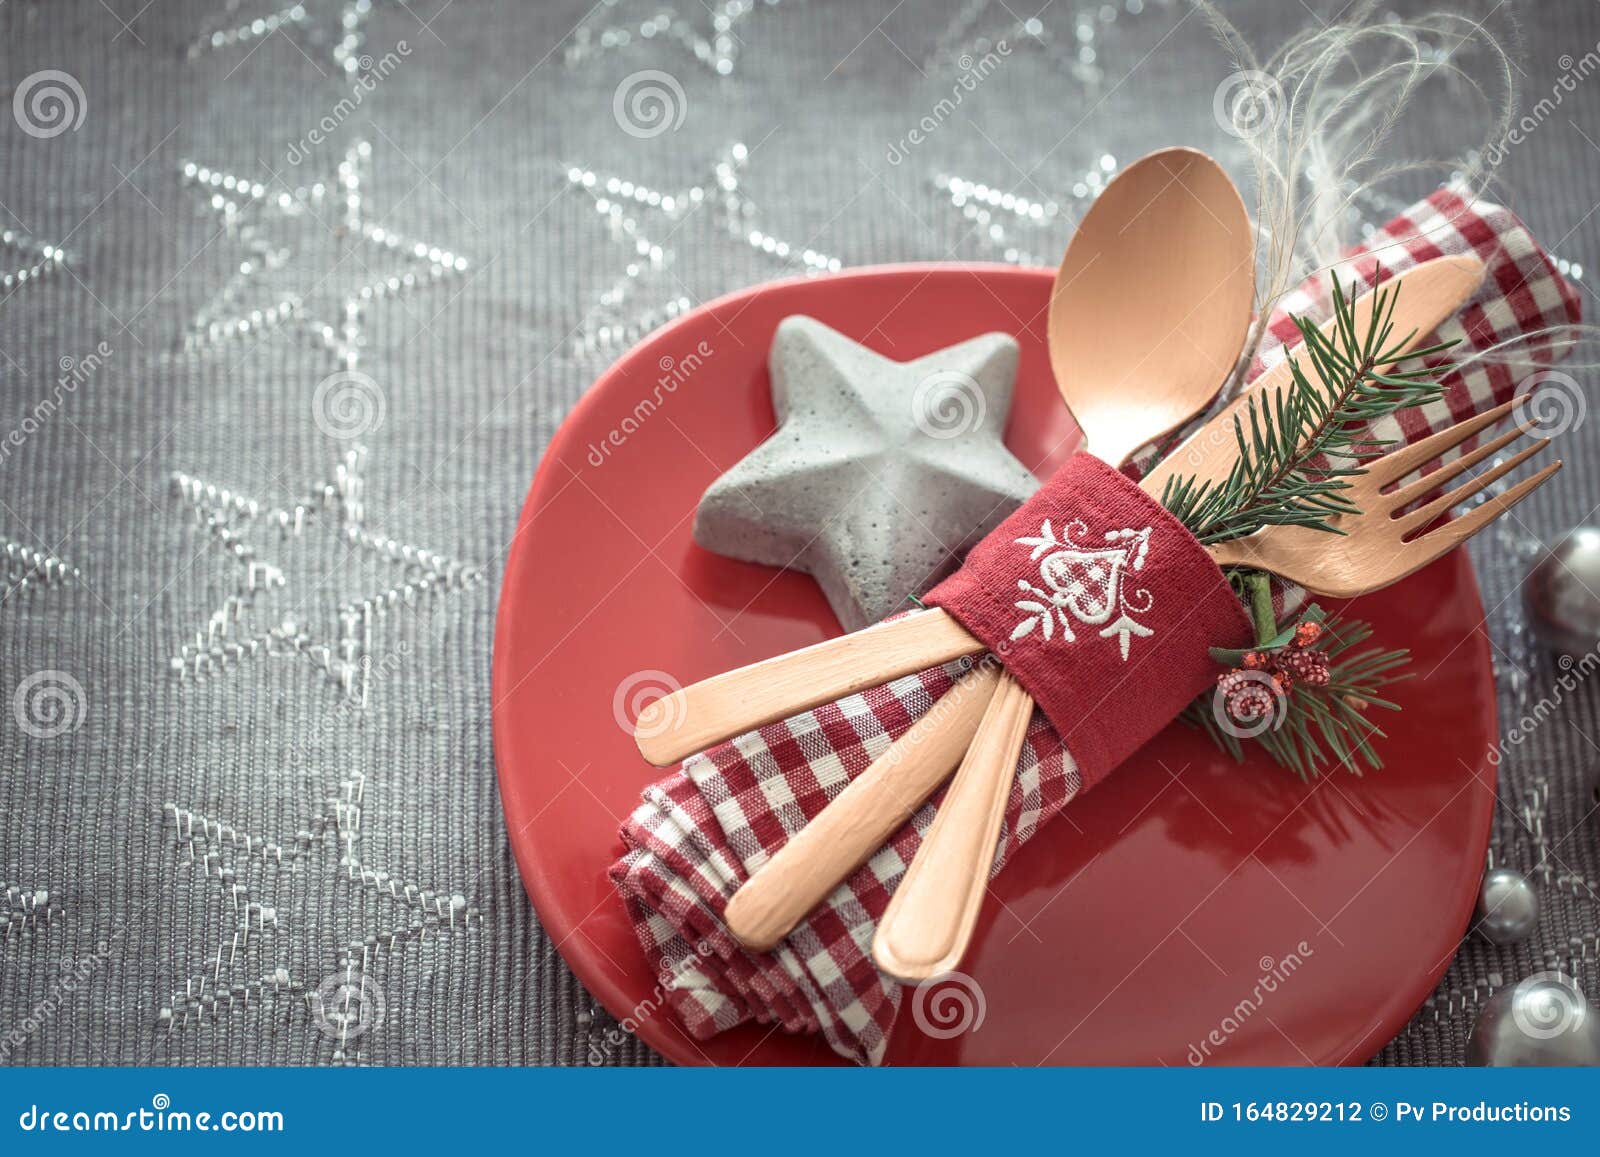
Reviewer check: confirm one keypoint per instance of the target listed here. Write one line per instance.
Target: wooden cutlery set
(1148, 317)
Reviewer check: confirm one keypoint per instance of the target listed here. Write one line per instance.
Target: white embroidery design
(1084, 583)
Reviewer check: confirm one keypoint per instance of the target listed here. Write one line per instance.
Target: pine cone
(1248, 700)
(1307, 633)
(1309, 667)
(1230, 681)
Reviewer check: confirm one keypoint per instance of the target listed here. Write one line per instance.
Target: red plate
(1186, 902)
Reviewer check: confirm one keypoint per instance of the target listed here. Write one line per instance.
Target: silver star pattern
(260, 880)
(614, 319)
(25, 569)
(250, 209)
(717, 48)
(981, 26)
(880, 474)
(24, 259)
(1018, 229)
(339, 26)
(23, 908)
(236, 631)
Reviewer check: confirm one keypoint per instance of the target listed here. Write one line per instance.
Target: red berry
(1307, 633)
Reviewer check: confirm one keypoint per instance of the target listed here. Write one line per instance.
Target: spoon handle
(856, 823)
(929, 921)
(698, 716)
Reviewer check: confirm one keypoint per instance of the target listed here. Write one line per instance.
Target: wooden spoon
(1147, 318)
(1152, 302)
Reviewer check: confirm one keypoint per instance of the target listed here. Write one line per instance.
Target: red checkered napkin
(701, 831)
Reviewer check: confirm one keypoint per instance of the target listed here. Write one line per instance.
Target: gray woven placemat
(193, 870)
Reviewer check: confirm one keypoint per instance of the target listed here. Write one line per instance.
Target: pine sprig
(1298, 447)
(1317, 727)
(1324, 725)
(1300, 443)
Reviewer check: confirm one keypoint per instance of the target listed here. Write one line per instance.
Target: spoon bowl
(1152, 302)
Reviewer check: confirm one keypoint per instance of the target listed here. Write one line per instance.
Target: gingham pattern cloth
(701, 831)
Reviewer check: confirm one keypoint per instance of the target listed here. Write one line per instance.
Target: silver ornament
(1543, 1020)
(1508, 907)
(1560, 594)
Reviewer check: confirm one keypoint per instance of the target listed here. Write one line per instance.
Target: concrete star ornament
(881, 474)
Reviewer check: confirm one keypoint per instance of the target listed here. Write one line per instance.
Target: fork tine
(1396, 464)
(1453, 533)
(1425, 515)
(1416, 491)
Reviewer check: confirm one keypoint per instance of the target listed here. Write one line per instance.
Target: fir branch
(1329, 726)
(1301, 443)
(1298, 447)
(1320, 726)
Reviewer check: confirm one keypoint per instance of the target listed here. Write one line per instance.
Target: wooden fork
(929, 922)
(1388, 541)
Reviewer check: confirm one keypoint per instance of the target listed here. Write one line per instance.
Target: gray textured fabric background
(373, 839)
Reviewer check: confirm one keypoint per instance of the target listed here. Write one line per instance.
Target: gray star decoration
(881, 474)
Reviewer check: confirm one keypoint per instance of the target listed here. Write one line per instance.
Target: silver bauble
(1508, 907)
(1560, 594)
(1543, 1020)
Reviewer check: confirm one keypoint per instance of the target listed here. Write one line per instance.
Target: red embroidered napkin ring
(1102, 605)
